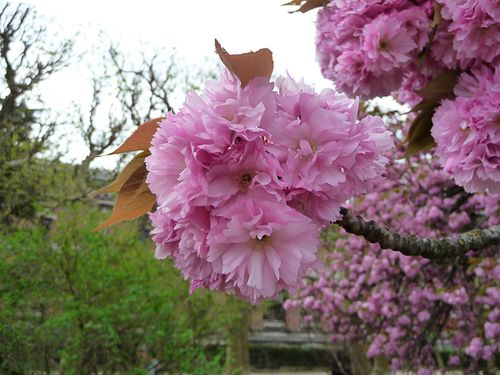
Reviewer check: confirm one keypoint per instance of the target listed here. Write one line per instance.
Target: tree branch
(431, 248)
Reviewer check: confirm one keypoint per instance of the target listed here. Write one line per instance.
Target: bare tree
(26, 60)
(130, 90)
(140, 93)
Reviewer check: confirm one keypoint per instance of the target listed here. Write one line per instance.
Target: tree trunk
(380, 366)
(237, 350)
(360, 364)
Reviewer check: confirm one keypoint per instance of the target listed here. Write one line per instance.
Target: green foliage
(79, 302)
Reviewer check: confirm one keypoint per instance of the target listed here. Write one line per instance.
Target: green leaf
(423, 106)
(419, 136)
(440, 87)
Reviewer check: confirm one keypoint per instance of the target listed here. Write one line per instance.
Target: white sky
(189, 26)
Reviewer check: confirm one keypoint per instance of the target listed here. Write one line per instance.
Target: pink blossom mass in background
(400, 47)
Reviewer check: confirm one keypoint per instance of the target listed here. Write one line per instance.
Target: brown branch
(431, 248)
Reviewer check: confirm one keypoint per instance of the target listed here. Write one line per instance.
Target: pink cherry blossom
(239, 174)
(262, 246)
(391, 302)
(366, 47)
(475, 26)
(466, 131)
(386, 44)
(324, 164)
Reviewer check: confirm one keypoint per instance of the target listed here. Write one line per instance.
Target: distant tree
(29, 55)
(126, 91)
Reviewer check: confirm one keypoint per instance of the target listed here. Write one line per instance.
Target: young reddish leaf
(308, 4)
(140, 139)
(114, 187)
(246, 66)
(440, 87)
(126, 209)
(134, 199)
(419, 136)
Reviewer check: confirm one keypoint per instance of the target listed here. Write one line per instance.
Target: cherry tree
(240, 181)
(441, 58)
(415, 312)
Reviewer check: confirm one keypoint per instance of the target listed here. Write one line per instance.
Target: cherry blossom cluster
(368, 47)
(377, 48)
(408, 309)
(467, 131)
(372, 48)
(245, 177)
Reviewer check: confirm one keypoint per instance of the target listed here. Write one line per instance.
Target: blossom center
(306, 148)
(245, 180)
(261, 235)
(260, 244)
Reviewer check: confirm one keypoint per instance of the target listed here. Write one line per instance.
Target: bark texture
(431, 248)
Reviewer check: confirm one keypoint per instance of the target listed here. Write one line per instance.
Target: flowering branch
(431, 248)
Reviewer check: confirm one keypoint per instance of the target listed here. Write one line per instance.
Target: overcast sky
(189, 26)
